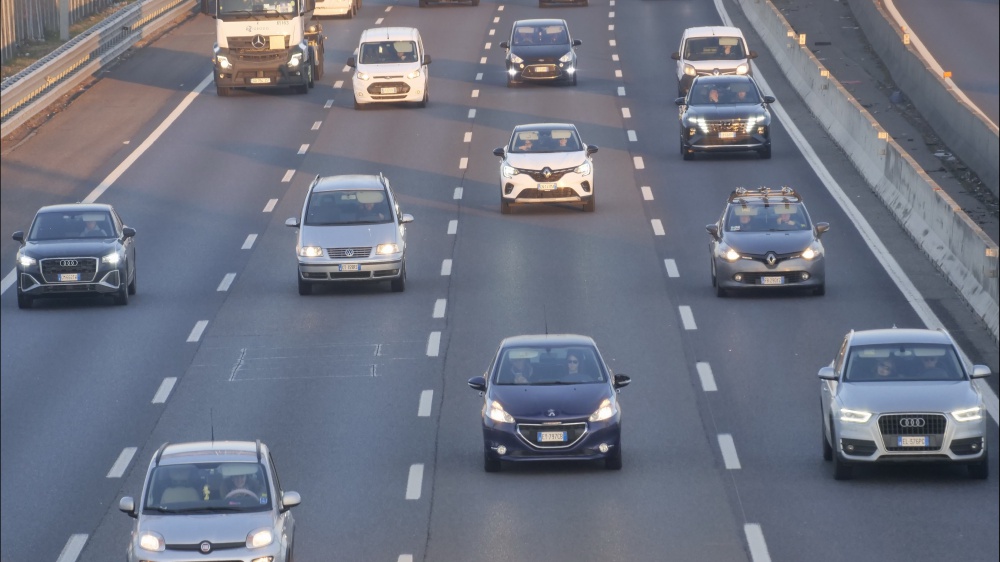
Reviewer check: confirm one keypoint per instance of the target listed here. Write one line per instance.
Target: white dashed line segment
(631, 135)
(458, 193)
(706, 376)
(463, 163)
(647, 193)
(288, 176)
(303, 149)
(426, 400)
(626, 113)
(199, 328)
(446, 267)
(248, 243)
(657, 227)
(638, 162)
(467, 137)
(227, 281)
(121, 464)
(439, 307)
(728, 448)
(472, 114)
(270, 205)
(755, 540)
(687, 318)
(317, 125)
(414, 482)
(164, 391)
(452, 226)
(74, 546)
(671, 266)
(433, 344)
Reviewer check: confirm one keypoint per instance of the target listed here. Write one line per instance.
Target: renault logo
(912, 422)
(547, 172)
(205, 547)
(551, 413)
(770, 259)
(349, 252)
(716, 71)
(69, 263)
(258, 41)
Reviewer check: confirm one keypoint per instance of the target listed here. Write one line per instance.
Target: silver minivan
(711, 51)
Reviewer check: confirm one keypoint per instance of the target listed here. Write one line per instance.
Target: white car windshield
(545, 140)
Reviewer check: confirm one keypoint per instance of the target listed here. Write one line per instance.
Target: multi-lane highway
(361, 393)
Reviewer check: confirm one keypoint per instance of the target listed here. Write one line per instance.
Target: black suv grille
(894, 426)
(52, 268)
(727, 126)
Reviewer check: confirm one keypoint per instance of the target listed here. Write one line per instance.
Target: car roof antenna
(211, 421)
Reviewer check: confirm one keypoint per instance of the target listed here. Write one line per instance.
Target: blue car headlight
(606, 410)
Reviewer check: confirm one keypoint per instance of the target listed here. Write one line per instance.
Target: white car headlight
(26, 261)
(604, 411)
(223, 62)
(566, 58)
(152, 542)
(585, 169)
(854, 416)
(743, 68)
(260, 538)
(689, 70)
(385, 249)
(515, 59)
(364, 76)
(310, 251)
(814, 251)
(295, 61)
(496, 413)
(968, 414)
(111, 259)
(508, 171)
(414, 74)
(751, 123)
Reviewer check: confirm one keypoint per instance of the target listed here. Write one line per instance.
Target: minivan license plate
(727, 135)
(350, 267)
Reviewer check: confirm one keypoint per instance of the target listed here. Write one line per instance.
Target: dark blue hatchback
(550, 397)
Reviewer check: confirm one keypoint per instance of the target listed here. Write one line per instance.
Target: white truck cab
(711, 50)
(390, 65)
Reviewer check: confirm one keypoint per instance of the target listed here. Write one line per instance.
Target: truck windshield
(231, 9)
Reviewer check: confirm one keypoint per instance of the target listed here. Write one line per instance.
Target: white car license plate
(727, 135)
(350, 267)
(551, 436)
(69, 276)
(260, 80)
(390, 90)
(546, 186)
(772, 280)
(913, 441)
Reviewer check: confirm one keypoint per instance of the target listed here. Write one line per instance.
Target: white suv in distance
(351, 230)
(711, 51)
(390, 65)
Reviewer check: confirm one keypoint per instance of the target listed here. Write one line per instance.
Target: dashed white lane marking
(475, 93)
(388, 8)
(405, 558)
(339, 83)
(467, 137)
(345, 69)
(317, 125)
(728, 449)
(166, 387)
(303, 149)
(626, 113)
(74, 546)
(439, 307)
(612, 3)
(639, 162)
(611, 27)
(612, 42)
(472, 114)
(482, 60)
(118, 469)
(328, 104)
(647, 193)
(248, 243)
(288, 176)
(755, 540)
(489, 46)
(414, 482)
(493, 32)
(671, 266)
(657, 227)
(458, 193)
(452, 226)
(463, 163)
(199, 328)
(426, 399)
(631, 135)
(614, 57)
(479, 76)
(618, 73)
(433, 344)
(496, 19)
(611, 14)
(379, 21)
(446, 267)
(705, 374)
(270, 205)
(621, 90)
(227, 280)
(687, 318)
(500, 8)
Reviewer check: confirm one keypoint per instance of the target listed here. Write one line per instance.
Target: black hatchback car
(540, 50)
(725, 114)
(550, 397)
(76, 249)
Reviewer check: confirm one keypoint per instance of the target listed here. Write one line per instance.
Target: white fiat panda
(708, 51)
(390, 65)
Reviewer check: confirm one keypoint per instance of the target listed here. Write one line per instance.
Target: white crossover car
(390, 66)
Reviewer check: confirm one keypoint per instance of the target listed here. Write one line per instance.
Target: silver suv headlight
(968, 414)
(854, 416)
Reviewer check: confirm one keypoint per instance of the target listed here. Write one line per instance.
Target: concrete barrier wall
(945, 233)
(967, 133)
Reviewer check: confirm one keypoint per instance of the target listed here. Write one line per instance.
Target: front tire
(132, 285)
(398, 285)
(685, 153)
(23, 300)
(614, 462)
(490, 464)
(305, 287)
(827, 449)
(591, 205)
(504, 206)
(223, 92)
(980, 470)
(121, 297)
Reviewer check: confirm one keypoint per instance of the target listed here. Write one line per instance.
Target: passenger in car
(92, 230)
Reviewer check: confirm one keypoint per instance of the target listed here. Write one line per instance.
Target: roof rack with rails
(785, 194)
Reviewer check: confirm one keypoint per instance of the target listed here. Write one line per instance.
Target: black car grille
(541, 71)
(554, 175)
(574, 432)
(894, 426)
(727, 126)
(244, 50)
(394, 89)
(558, 193)
(52, 268)
(778, 258)
(197, 547)
(349, 253)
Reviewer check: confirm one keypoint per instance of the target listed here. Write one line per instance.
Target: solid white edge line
(446, 267)
(8, 280)
(755, 540)
(687, 317)
(74, 546)
(439, 308)
(433, 344)
(706, 376)
(426, 400)
(671, 266)
(199, 328)
(166, 387)
(118, 469)
(875, 245)
(728, 448)
(414, 482)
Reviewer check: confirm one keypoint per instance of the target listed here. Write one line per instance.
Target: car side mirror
(621, 381)
(406, 218)
(752, 55)
(427, 59)
(980, 371)
(769, 99)
(713, 229)
(680, 101)
(290, 500)
(822, 227)
(577, 42)
(352, 62)
(18, 236)
(591, 149)
(128, 232)
(478, 383)
(504, 45)
(827, 374)
(499, 151)
(293, 222)
(127, 506)
(676, 56)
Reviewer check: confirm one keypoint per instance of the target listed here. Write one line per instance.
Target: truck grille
(244, 49)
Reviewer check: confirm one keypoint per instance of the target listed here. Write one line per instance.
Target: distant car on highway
(546, 163)
(75, 249)
(764, 240)
(902, 395)
(212, 501)
(351, 229)
(540, 50)
(725, 114)
(390, 66)
(711, 51)
(550, 397)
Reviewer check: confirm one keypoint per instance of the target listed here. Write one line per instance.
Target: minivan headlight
(689, 70)
(515, 59)
(310, 251)
(386, 249)
(743, 68)
(364, 76)
(567, 57)
(414, 74)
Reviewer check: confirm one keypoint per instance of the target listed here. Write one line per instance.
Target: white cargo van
(390, 65)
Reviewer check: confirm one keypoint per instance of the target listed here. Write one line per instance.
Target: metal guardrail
(30, 91)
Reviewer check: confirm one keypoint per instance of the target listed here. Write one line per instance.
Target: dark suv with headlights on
(75, 249)
(725, 114)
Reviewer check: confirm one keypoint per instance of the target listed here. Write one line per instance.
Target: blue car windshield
(539, 366)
